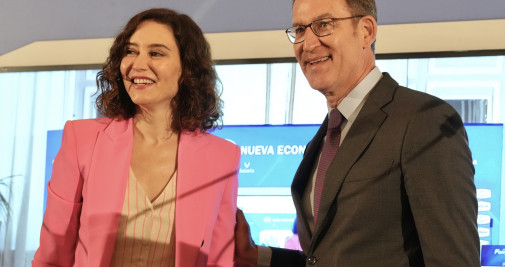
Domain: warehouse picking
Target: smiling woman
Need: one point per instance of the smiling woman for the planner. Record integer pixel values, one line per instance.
(151, 68)
(151, 152)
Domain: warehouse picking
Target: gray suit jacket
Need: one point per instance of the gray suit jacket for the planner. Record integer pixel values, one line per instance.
(399, 192)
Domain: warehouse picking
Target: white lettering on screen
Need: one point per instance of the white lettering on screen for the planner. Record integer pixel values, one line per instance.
(261, 150)
(499, 251)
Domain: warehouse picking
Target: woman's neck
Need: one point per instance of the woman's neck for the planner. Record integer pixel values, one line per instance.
(153, 126)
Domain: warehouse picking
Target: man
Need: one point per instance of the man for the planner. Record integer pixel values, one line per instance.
(399, 191)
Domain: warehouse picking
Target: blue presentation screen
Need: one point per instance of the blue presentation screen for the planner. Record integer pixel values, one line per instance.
(269, 154)
(486, 144)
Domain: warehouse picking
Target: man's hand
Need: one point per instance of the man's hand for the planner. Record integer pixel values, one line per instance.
(246, 251)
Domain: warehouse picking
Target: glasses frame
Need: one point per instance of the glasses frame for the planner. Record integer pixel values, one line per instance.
(293, 28)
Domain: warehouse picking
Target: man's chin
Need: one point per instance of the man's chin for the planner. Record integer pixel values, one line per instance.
(319, 85)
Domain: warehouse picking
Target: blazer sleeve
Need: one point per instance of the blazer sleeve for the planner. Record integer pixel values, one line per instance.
(223, 244)
(58, 235)
(439, 183)
(286, 257)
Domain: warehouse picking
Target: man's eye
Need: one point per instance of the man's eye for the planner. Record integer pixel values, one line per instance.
(324, 24)
(299, 30)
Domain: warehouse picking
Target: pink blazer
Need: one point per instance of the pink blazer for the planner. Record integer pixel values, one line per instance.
(87, 187)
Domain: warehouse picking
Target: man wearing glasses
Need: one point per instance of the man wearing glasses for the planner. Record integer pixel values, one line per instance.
(388, 178)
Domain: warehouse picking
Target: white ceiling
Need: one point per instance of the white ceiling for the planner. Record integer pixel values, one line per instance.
(26, 21)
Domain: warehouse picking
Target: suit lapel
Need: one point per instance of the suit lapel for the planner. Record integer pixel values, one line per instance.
(302, 177)
(359, 136)
(189, 229)
(106, 188)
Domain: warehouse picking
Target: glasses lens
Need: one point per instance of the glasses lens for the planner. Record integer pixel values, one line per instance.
(322, 27)
(292, 34)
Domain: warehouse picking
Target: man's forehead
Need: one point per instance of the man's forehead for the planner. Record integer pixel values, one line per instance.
(308, 19)
(316, 9)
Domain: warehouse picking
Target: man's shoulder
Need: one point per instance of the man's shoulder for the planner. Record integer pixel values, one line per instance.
(387, 83)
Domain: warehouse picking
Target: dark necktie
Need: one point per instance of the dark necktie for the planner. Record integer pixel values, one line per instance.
(328, 152)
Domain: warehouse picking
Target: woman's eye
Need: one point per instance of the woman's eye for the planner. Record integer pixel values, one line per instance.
(129, 51)
(156, 54)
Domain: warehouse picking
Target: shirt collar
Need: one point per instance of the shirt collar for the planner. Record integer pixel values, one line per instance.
(358, 94)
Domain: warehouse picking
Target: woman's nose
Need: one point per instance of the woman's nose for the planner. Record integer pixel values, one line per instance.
(140, 62)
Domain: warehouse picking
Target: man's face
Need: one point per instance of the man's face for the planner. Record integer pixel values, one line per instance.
(332, 64)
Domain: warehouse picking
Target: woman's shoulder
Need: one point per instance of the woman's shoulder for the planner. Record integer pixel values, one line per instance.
(86, 126)
(90, 124)
(96, 122)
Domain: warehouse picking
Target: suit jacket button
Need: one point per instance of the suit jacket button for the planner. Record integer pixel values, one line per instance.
(312, 260)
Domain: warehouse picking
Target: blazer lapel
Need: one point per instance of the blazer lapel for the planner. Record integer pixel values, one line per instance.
(189, 229)
(359, 136)
(109, 170)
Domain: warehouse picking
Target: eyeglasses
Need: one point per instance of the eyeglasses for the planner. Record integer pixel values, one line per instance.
(320, 27)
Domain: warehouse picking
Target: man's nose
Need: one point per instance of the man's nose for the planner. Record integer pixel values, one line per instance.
(311, 40)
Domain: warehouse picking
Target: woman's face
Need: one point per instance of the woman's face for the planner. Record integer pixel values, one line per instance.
(151, 67)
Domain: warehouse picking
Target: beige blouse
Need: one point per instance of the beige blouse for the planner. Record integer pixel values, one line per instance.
(146, 235)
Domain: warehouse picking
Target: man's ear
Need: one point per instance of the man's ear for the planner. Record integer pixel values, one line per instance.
(368, 26)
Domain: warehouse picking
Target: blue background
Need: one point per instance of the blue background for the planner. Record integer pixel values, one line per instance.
(486, 144)
(490, 258)
(275, 170)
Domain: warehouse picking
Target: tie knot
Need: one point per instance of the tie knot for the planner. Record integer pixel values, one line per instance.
(335, 119)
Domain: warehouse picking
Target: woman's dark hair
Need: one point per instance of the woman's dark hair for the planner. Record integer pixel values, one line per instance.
(196, 105)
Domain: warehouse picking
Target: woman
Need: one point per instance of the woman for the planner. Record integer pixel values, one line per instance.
(146, 185)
